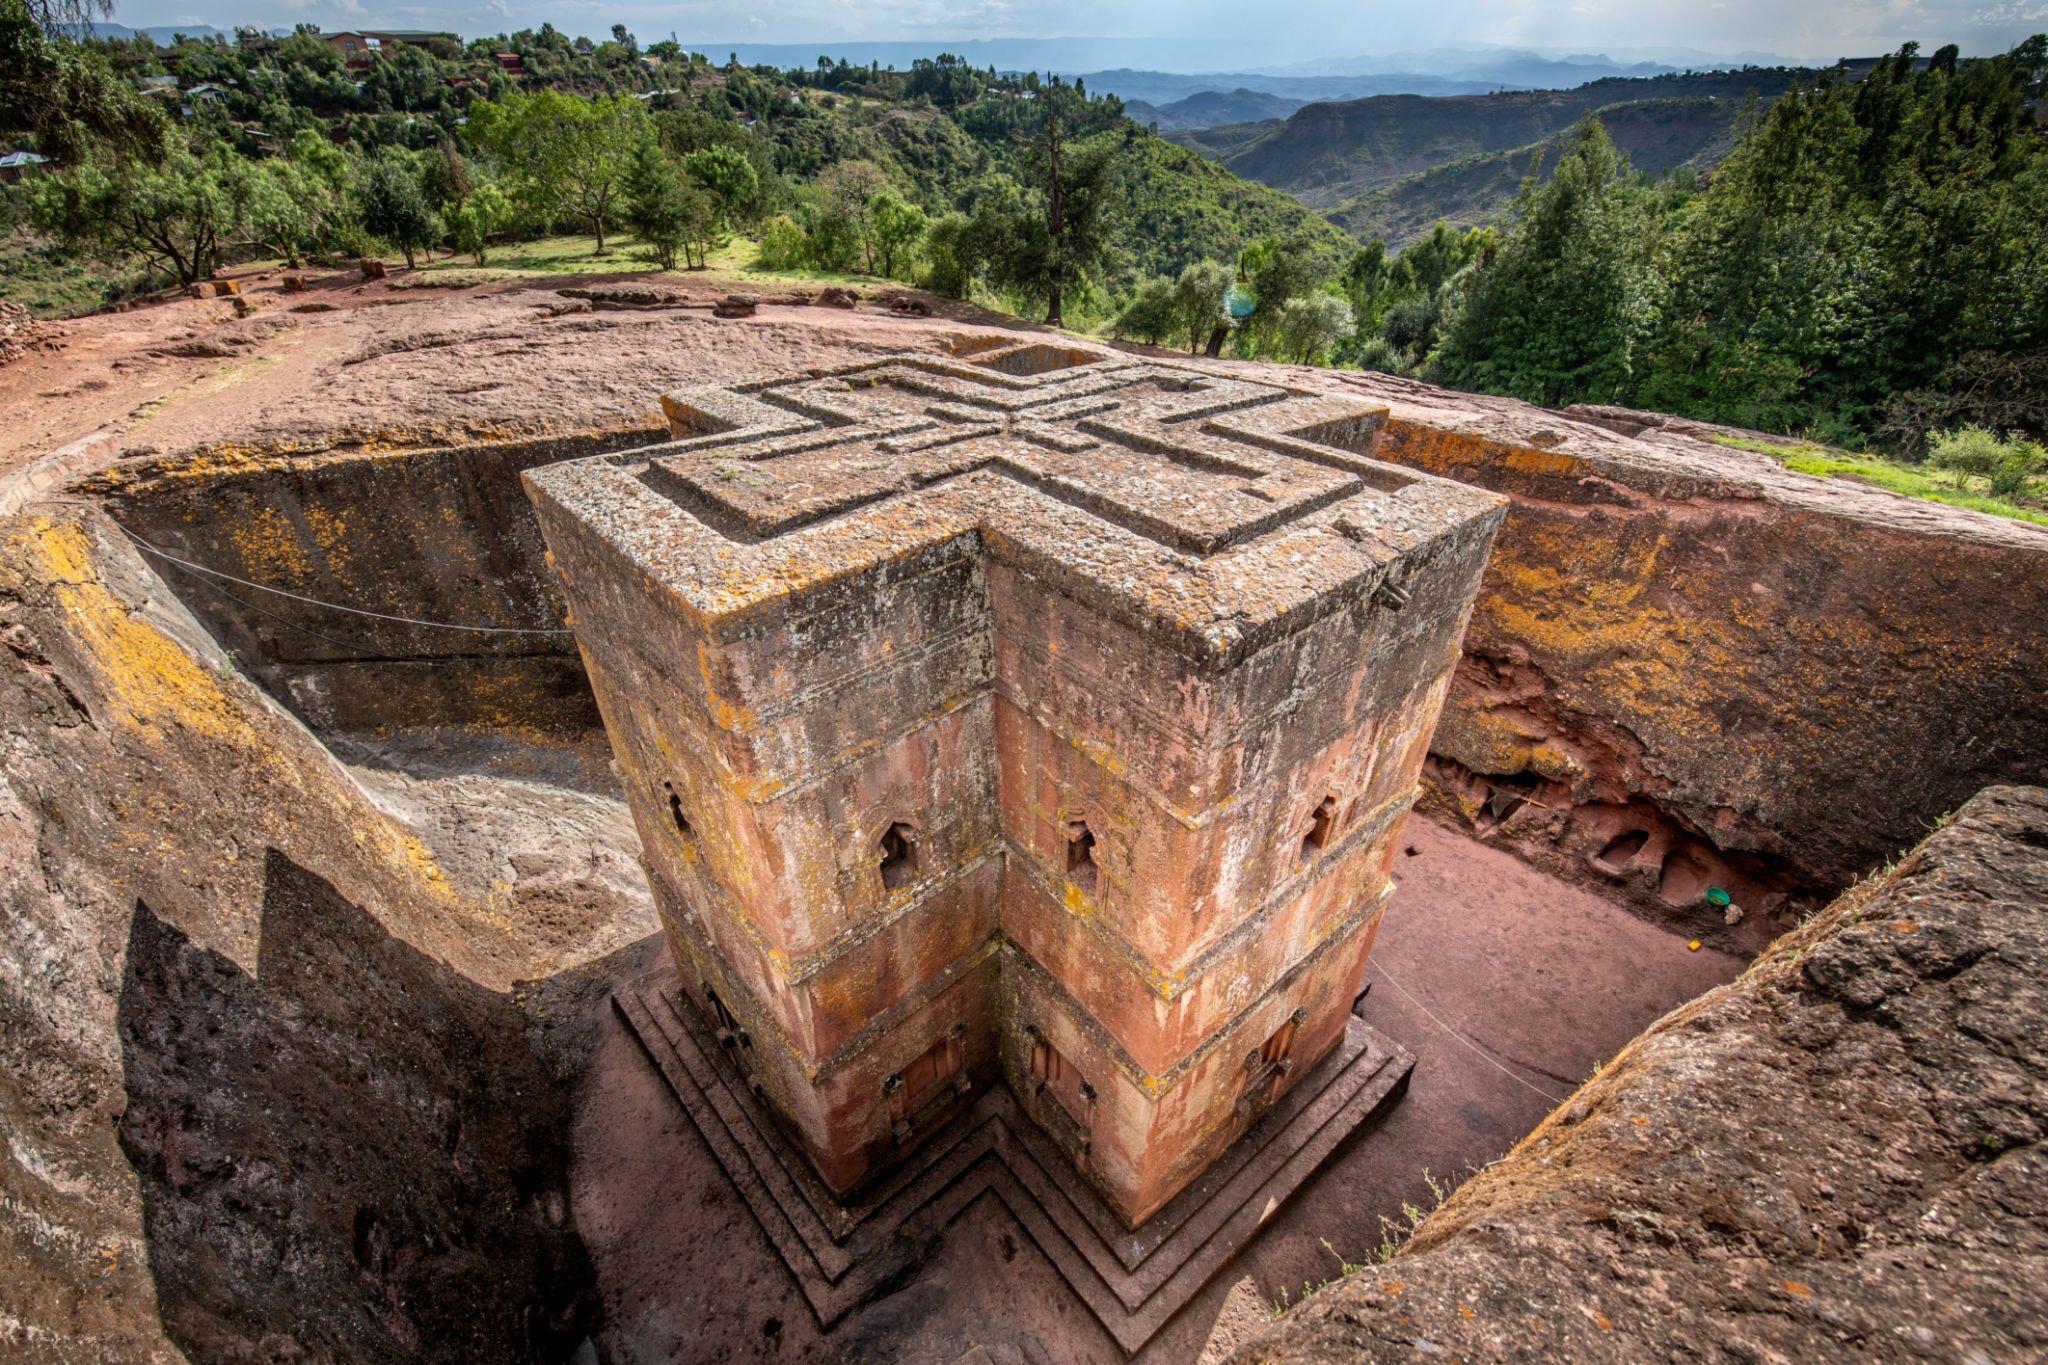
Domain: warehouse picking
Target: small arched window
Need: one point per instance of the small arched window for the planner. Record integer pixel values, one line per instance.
(899, 856)
(1081, 868)
(1322, 828)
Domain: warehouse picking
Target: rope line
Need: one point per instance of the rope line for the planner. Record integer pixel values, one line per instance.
(330, 606)
(1482, 1054)
(292, 625)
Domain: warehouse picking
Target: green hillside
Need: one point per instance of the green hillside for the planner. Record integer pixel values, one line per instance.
(1658, 136)
(1178, 207)
(1328, 153)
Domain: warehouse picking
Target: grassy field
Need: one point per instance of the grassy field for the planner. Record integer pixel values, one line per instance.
(47, 279)
(1915, 481)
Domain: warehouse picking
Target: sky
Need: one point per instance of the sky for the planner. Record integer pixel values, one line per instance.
(1225, 33)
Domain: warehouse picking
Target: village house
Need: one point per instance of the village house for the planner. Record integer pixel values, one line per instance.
(19, 163)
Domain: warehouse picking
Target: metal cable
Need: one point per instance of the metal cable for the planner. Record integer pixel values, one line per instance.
(330, 606)
(1461, 1038)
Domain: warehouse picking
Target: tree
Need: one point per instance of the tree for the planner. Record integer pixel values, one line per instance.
(275, 201)
(321, 179)
(1279, 271)
(667, 209)
(845, 192)
(1150, 316)
(565, 155)
(486, 212)
(949, 264)
(445, 175)
(1557, 313)
(1066, 240)
(1310, 325)
(177, 212)
(66, 93)
(1862, 240)
(1368, 281)
(729, 177)
(783, 245)
(395, 203)
(1198, 302)
(2009, 466)
(897, 227)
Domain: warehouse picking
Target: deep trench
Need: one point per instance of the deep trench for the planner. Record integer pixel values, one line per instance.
(490, 744)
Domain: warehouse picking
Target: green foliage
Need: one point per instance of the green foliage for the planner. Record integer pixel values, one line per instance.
(845, 193)
(1557, 312)
(566, 157)
(1378, 353)
(2010, 467)
(1198, 302)
(1174, 207)
(1894, 476)
(485, 213)
(177, 212)
(1859, 240)
(729, 177)
(1149, 316)
(278, 201)
(69, 95)
(1053, 237)
(668, 210)
(395, 205)
(1279, 272)
(783, 244)
(949, 258)
(896, 228)
(1310, 325)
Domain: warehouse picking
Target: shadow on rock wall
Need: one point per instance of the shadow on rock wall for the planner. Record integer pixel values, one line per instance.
(353, 1154)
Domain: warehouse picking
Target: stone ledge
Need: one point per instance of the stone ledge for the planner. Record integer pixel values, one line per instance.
(1842, 1154)
(1133, 1281)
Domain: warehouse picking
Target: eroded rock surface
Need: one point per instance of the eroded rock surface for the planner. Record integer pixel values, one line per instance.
(268, 1087)
(1840, 1153)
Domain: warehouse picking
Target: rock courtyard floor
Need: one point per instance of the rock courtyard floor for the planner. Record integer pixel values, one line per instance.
(1545, 980)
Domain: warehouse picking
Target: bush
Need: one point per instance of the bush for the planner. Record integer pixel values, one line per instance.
(1307, 327)
(1198, 302)
(949, 267)
(2010, 466)
(1150, 316)
(1378, 353)
(783, 246)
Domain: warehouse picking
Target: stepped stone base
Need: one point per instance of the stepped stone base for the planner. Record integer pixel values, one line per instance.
(1134, 1281)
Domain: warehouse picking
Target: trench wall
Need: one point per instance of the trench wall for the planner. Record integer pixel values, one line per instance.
(440, 535)
(269, 1093)
(1836, 1155)
(1686, 672)
(1674, 679)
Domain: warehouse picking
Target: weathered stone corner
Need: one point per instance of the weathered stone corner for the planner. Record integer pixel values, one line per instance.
(1047, 716)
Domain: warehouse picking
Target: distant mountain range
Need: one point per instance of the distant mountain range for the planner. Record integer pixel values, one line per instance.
(1392, 165)
(1226, 64)
(1439, 73)
(161, 34)
(1211, 107)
